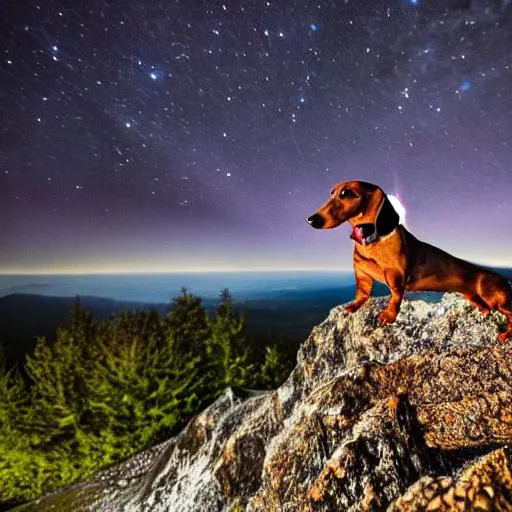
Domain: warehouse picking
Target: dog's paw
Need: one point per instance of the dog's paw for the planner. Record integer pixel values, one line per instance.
(386, 317)
(504, 336)
(352, 308)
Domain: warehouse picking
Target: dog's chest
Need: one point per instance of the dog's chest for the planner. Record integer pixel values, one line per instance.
(380, 256)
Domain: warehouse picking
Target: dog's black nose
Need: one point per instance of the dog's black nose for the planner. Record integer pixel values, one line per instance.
(317, 221)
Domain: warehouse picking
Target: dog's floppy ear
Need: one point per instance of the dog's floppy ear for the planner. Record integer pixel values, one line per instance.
(378, 209)
(373, 197)
(387, 218)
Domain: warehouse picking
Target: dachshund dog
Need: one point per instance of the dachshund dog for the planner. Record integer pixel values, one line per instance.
(385, 251)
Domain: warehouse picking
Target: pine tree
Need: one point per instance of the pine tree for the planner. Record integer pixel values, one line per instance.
(187, 325)
(13, 394)
(58, 374)
(275, 368)
(53, 424)
(227, 349)
(139, 388)
(18, 462)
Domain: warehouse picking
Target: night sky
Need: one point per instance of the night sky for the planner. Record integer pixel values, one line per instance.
(199, 135)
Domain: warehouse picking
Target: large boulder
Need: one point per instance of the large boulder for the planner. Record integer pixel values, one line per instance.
(410, 416)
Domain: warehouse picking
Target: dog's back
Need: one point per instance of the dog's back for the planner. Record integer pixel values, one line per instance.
(432, 269)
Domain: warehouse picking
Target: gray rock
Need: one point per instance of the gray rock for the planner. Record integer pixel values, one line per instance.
(411, 416)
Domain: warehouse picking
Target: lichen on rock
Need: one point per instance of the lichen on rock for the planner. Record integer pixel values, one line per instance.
(410, 416)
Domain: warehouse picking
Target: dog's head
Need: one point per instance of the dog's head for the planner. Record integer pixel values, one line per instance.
(357, 202)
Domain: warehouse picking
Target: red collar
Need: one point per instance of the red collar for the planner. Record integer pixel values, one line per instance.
(364, 234)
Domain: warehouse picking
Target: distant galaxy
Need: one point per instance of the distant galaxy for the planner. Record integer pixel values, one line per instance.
(151, 136)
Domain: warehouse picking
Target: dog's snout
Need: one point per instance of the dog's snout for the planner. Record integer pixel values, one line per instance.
(317, 221)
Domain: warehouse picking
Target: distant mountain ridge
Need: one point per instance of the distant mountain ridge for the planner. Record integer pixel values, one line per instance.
(24, 317)
(161, 288)
(288, 315)
(275, 311)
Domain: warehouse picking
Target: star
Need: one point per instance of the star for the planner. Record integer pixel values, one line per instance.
(156, 74)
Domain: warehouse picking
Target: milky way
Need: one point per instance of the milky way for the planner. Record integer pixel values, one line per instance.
(178, 135)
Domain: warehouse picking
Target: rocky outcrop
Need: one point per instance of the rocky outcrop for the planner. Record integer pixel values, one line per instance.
(411, 416)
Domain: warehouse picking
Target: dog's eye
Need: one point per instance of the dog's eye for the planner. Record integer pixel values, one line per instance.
(347, 194)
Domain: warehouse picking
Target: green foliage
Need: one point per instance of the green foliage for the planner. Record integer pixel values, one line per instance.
(187, 324)
(275, 368)
(226, 348)
(15, 455)
(103, 391)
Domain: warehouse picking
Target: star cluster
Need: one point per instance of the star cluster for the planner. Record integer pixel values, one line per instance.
(200, 135)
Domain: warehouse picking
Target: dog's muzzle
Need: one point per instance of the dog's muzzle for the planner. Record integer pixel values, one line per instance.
(317, 221)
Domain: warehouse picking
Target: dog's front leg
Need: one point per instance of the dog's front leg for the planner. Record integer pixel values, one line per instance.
(364, 285)
(396, 283)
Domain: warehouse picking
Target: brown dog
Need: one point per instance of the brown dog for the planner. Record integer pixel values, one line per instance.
(385, 251)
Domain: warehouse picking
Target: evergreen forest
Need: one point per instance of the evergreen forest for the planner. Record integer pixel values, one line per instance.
(103, 391)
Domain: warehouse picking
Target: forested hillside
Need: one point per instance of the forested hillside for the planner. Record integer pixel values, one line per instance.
(106, 389)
